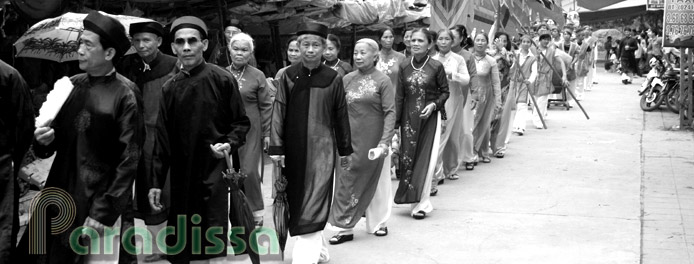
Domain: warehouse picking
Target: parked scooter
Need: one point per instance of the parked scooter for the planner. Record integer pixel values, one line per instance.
(672, 82)
(653, 90)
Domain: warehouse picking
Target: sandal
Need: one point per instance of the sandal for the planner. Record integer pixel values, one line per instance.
(340, 238)
(486, 160)
(434, 192)
(382, 231)
(453, 177)
(499, 155)
(419, 215)
(469, 166)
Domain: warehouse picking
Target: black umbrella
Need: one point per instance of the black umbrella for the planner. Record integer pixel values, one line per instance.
(240, 213)
(281, 208)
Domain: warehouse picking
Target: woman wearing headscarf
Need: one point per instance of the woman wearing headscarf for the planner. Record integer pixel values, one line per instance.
(331, 56)
(450, 156)
(365, 186)
(460, 38)
(487, 97)
(419, 100)
(258, 105)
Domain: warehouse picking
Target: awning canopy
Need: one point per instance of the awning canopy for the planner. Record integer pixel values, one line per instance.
(612, 14)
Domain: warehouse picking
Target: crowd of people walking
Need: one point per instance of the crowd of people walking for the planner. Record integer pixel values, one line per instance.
(338, 131)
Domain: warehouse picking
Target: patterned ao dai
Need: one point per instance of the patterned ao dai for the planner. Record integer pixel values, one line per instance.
(418, 88)
(371, 107)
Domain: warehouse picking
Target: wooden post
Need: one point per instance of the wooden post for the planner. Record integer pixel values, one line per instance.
(222, 17)
(354, 42)
(685, 100)
(278, 46)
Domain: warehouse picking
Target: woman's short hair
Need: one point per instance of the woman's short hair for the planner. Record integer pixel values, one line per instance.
(242, 37)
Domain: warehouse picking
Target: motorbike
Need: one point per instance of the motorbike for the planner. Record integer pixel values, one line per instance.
(673, 94)
(654, 89)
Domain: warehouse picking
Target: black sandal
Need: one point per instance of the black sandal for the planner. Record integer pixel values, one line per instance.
(382, 231)
(469, 166)
(419, 215)
(340, 238)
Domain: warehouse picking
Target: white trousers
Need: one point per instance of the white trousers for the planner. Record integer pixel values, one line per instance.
(381, 205)
(310, 248)
(542, 104)
(521, 118)
(110, 256)
(424, 202)
(468, 126)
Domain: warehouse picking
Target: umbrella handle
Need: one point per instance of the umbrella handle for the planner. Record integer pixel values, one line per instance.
(230, 163)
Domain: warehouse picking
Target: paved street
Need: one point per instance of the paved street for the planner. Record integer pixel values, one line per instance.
(618, 188)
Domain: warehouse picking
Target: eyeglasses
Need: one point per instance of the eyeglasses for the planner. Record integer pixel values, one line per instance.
(182, 41)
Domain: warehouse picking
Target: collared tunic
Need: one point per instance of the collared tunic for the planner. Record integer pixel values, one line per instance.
(258, 104)
(99, 132)
(418, 88)
(199, 108)
(309, 121)
(489, 96)
(342, 67)
(16, 132)
(149, 78)
(371, 104)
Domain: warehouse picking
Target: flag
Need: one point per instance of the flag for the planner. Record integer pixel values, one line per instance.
(448, 13)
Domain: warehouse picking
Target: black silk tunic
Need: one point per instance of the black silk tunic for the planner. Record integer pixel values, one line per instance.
(16, 132)
(99, 132)
(198, 108)
(149, 80)
(309, 122)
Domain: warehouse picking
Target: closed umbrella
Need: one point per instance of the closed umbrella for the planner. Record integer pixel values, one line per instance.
(281, 208)
(240, 213)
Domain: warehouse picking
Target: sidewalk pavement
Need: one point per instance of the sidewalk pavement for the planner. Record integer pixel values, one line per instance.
(618, 188)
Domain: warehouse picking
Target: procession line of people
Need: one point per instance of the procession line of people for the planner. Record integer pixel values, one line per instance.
(159, 126)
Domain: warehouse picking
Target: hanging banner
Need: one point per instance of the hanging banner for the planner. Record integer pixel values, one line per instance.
(655, 5)
(678, 24)
(448, 13)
